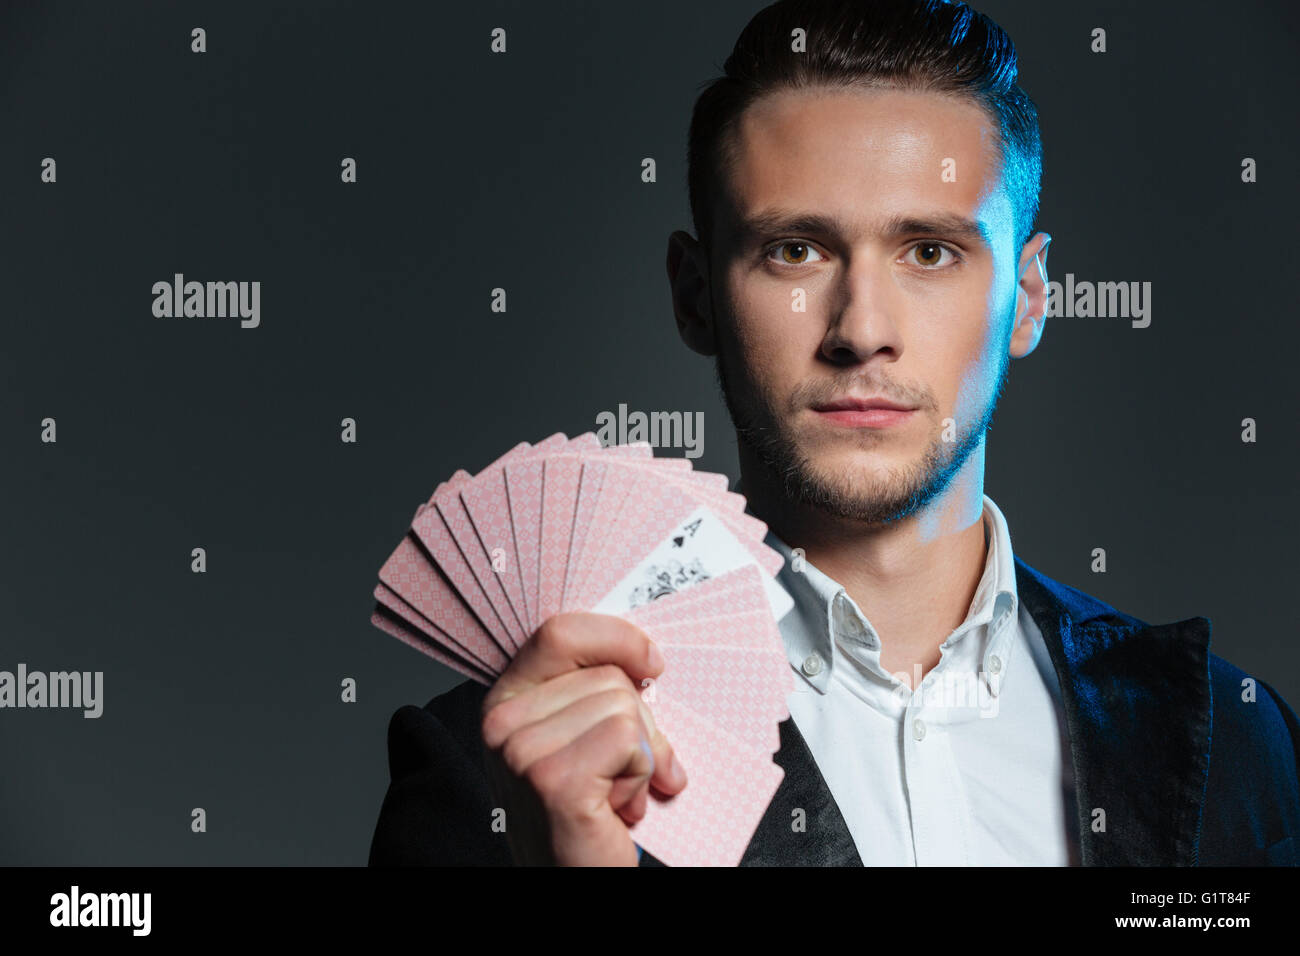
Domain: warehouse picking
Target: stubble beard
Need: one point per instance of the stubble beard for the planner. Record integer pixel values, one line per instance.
(869, 500)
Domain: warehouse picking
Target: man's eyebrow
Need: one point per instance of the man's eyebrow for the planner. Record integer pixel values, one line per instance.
(777, 221)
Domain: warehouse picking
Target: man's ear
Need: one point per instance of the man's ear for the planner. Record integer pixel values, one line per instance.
(1031, 296)
(688, 279)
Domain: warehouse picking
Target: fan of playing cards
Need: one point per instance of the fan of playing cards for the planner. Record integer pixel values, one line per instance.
(570, 525)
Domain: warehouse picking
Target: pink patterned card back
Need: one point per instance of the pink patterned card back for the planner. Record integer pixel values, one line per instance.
(729, 786)
(430, 527)
(381, 619)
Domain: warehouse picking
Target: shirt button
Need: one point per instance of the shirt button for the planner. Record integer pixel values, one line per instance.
(995, 664)
(918, 729)
(812, 664)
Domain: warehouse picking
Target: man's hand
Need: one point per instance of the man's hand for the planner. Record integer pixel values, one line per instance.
(572, 748)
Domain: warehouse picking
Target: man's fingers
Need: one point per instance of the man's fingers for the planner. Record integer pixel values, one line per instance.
(542, 738)
(565, 642)
(585, 768)
(542, 719)
(575, 784)
(539, 702)
(632, 809)
(669, 774)
(628, 795)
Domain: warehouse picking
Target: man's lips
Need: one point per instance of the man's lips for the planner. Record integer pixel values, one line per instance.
(864, 412)
(861, 405)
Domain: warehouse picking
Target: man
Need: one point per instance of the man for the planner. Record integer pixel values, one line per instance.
(864, 183)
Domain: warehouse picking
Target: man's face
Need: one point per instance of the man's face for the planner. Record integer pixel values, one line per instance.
(857, 199)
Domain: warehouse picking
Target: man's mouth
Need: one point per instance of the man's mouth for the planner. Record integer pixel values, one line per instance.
(868, 412)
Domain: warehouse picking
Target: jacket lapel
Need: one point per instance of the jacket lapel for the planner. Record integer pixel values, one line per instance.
(803, 825)
(1137, 710)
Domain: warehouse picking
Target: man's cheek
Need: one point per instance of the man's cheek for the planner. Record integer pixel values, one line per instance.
(766, 372)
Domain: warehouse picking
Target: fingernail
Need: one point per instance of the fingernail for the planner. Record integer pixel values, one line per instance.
(656, 657)
(676, 771)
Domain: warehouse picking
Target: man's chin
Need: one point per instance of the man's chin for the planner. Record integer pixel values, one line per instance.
(850, 460)
(853, 496)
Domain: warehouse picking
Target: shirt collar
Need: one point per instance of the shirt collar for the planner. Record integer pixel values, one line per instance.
(824, 610)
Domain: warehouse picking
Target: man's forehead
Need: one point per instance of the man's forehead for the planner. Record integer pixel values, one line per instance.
(876, 124)
(848, 162)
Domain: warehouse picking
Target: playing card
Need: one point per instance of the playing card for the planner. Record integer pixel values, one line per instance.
(735, 592)
(593, 471)
(728, 687)
(682, 605)
(384, 620)
(692, 548)
(427, 630)
(728, 789)
(433, 532)
(560, 479)
(489, 545)
(409, 573)
(569, 525)
(591, 486)
(646, 493)
(728, 665)
(488, 506)
(477, 557)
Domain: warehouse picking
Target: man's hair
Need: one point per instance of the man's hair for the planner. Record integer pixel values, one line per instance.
(916, 45)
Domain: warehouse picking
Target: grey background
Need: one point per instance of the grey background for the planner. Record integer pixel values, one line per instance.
(522, 171)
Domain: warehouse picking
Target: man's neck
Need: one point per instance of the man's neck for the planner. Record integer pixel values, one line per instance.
(914, 578)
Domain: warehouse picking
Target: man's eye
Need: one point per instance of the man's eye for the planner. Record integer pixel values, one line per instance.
(794, 253)
(929, 255)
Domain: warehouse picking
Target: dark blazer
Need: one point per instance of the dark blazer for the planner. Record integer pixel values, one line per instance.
(1187, 772)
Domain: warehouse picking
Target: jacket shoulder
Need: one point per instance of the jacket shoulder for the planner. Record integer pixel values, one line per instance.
(460, 711)
(1250, 714)
(438, 809)
(1251, 814)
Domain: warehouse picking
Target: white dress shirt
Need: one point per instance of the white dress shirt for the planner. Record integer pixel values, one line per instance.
(971, 768)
